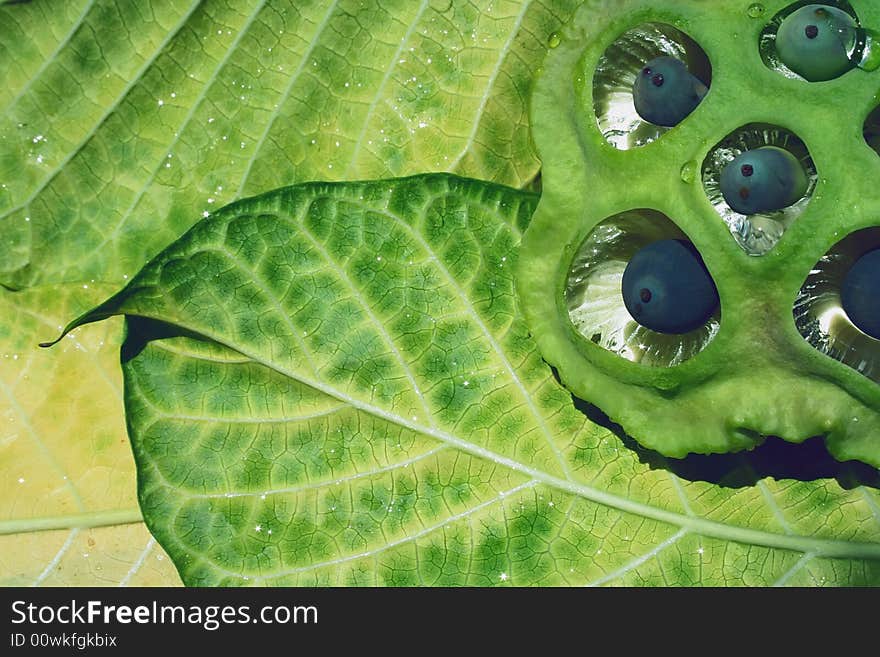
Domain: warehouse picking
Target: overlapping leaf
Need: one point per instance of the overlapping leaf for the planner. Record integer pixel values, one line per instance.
(332, 384)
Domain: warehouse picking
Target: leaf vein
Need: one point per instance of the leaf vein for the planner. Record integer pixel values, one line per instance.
(638, 561)
(139, 562)
(319, 30)
(57, 558)
(484, 100)
(388, 71)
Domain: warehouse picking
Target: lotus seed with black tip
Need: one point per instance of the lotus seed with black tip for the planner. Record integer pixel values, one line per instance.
(763, 180)
(860, 294)
(816, 41)
(665, 92)
(667, 288)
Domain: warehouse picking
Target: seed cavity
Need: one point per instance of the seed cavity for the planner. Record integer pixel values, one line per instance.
(819, 309)
(596, 305)
(759, 231)
(628, 61)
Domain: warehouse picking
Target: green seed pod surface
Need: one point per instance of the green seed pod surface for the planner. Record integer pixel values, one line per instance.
(757, 376)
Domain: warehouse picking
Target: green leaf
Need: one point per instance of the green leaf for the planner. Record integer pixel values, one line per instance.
(121, 123)
(332, 384)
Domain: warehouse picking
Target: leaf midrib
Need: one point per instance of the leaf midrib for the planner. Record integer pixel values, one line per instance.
(84, 520)
(484, 329)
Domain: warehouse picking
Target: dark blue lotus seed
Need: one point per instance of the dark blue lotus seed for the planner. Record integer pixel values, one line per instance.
(763, 180)
(860, 294)
(667, 288)
(665, 92)
(816, 41)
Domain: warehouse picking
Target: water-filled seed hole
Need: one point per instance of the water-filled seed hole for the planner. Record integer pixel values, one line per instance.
(594, 292)
(641, 64)
(735, 173)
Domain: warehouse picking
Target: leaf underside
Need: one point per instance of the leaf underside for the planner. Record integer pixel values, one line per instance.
(123, 122)
(331, 384)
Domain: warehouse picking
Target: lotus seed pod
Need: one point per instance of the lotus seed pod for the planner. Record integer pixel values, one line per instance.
(756, 367)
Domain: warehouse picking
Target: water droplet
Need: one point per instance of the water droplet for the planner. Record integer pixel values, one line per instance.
(755, 10)
(554, 40)
(688, 171)
(870, 40)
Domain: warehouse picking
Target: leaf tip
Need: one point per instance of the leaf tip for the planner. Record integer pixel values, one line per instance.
(51, 343)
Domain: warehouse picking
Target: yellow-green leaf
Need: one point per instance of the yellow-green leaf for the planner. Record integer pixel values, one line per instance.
(69, 513)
